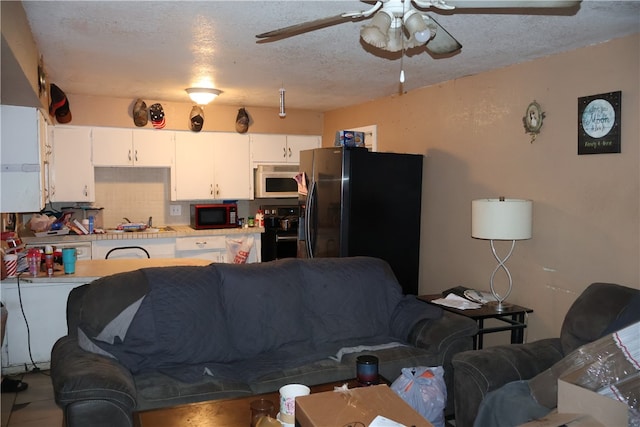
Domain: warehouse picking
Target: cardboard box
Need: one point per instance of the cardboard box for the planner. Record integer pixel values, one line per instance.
(349, 138)
(554, 419)
(575, 399)
(362, 404)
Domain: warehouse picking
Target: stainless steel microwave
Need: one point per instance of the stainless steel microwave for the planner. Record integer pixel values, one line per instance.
(276, 181)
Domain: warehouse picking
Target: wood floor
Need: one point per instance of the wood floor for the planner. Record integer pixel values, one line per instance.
(33, 407)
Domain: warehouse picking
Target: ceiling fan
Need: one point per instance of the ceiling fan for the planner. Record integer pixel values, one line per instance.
(398, 25)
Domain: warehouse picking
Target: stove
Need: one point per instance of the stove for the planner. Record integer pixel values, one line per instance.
(280, 238)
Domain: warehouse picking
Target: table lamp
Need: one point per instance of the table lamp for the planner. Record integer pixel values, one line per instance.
(501, 219)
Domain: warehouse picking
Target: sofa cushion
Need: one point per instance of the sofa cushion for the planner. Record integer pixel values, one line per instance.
(349, 297)
(263, 305)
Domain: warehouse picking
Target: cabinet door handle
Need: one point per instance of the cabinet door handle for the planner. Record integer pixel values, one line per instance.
(211, 189)
(217, 190)
(284, 152)
(129, 155)
(201, 243)
(86, 191)
(289, 151)
(136, 156)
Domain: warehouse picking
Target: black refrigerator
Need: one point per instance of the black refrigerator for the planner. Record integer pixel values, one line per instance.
(354, 202)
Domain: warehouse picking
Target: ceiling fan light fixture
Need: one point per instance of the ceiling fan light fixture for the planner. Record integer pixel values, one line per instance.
(202, 95)
(417, 28)
(377, 34)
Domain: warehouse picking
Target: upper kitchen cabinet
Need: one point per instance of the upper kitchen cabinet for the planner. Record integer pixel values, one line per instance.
(71, 172)
(280, 149)
(22, 153)
(231, 166)
(212, 165)
(133, 147)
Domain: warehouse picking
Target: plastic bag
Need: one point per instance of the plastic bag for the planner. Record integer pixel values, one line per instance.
(40, 222)
(239, 248)
(424, 390)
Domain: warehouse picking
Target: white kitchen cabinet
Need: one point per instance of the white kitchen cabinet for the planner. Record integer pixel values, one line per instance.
(128, 248)
(214, 247)
(22, 153)
(233, 176)
(194, 166)
(153, 148)
(276, 148)
(132, 147)
(71, 174)
(211, 248)
(112, 147)
(298, 143)
(44, 307)
(212, 165)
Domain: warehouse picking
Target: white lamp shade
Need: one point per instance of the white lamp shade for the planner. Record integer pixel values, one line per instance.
(501, 219)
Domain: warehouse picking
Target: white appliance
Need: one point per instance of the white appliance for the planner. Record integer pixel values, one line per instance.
(22, 145)
(274, 181)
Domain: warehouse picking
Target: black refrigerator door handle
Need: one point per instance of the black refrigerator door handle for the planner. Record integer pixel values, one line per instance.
(307, 219)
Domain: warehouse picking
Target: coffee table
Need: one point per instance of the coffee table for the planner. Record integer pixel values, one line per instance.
(233, 412)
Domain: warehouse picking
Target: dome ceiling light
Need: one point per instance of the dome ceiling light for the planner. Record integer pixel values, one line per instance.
(202, 95)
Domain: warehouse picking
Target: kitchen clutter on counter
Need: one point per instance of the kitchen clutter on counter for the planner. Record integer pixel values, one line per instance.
(43, 225)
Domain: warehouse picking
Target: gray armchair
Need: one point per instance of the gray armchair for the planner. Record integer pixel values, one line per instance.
(479, 372)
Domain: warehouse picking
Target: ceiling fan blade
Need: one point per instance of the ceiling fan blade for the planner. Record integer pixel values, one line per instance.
(304, 27)
(443, 42)
(508, 4)
(294, 30)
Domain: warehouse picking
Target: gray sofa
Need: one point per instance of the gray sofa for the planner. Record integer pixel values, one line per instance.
(159, 337)
(602, 308)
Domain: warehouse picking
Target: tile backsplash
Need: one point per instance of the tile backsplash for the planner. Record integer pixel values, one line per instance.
(136, 193)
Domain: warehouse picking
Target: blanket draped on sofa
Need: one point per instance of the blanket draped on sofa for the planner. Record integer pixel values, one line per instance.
(242, 322)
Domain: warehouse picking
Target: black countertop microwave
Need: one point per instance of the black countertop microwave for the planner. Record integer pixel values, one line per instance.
(208, 216)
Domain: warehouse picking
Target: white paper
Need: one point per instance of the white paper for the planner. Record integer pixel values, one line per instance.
(455, 301)
(381, 421)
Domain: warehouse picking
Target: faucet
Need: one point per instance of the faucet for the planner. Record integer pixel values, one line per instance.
(126, 219)
(150, 222)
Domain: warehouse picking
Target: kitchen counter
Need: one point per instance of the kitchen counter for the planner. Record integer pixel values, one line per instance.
(174, 231)
(89, 270)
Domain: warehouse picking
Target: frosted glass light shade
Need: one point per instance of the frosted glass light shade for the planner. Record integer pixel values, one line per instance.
(202, 95)
(414, 22)
(377, 33)
(501, 219)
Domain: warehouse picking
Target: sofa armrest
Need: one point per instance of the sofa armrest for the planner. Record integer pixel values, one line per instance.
(90, 387)
(445, 336)
(479, 372)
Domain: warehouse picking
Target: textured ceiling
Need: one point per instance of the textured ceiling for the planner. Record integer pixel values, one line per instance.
(155, 49)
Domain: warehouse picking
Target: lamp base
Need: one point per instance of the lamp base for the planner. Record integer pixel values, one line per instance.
(499, 306)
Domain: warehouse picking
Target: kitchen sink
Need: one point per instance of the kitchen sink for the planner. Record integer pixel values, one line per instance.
(162, 229)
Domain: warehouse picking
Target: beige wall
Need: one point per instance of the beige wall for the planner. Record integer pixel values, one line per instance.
(19, 58)
(586, 208)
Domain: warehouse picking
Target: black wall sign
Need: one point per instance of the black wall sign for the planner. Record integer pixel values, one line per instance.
(599, 123)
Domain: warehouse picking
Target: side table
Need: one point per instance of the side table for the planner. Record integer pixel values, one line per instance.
(514, 316)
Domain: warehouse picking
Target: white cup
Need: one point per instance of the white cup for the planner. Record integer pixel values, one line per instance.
(288, 394)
